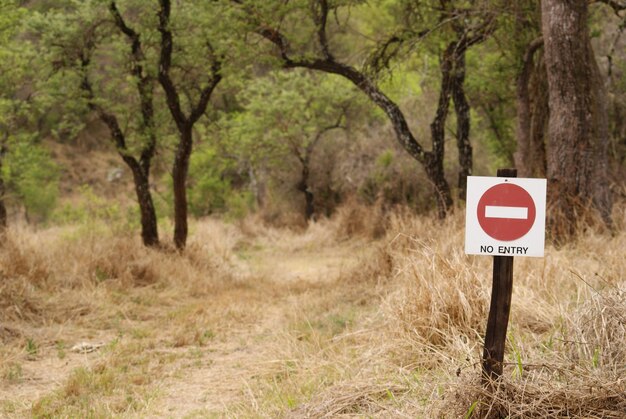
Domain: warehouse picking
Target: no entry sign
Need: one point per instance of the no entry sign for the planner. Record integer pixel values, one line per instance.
(505, 216)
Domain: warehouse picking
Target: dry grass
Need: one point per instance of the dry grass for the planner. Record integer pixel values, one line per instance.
(255, 321)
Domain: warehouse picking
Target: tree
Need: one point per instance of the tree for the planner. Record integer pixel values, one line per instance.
(144, 81)
(117, 59)
(184, 120)
(285, 118)
(26, 170)
(8, 19)
(269, 21)
(578, 125)
(81, 39)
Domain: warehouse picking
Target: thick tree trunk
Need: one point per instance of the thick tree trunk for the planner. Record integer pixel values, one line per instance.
(462, 110)
(179, 177)
(578, 126)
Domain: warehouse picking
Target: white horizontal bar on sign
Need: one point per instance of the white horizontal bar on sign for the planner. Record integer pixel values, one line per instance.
(518, 213)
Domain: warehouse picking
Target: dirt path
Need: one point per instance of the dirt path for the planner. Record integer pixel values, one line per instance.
(222, 378)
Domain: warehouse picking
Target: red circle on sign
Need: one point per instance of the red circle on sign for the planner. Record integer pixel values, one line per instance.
(506, 212)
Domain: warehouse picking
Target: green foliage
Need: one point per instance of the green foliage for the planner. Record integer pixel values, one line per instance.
(385, 159)
(284, 111)
(210, 189)
(31, 176)
(27, 169)
(489, 83)
(284, 121)
(471, 409)
(264, 122)
(31, 347)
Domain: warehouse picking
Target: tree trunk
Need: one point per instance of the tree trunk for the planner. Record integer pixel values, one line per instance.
(452, 69)
(523, 155)
(257, 186)
(149, 229)
(462, 110)
(434, 161)
(183, 122)
(303, 186)
(434, 171)
(540, 116)
(141, 177)
(179, 177)
(3, 208)
(578, 124)
(532, 116)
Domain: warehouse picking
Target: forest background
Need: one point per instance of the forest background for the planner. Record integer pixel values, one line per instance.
(388, 104)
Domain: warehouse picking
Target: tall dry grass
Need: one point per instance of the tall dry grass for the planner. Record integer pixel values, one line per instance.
(63, 274)
(566, 337)
(395, 333)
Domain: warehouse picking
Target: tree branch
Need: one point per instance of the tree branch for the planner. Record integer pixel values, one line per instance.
(165, 63)
(205, 94)
(144, 85)
(321, 17)
(330, 65)
(309, 148)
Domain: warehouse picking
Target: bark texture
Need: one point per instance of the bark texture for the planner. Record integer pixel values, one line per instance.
(578, 124)
(434, 162)
(462, 111)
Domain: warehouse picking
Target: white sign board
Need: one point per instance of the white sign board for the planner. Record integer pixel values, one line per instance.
(505, 216)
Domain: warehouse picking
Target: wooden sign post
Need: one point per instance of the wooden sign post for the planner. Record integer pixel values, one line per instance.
(499, 309)
(505, 217)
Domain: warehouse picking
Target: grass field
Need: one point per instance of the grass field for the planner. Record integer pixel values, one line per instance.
(364, 315)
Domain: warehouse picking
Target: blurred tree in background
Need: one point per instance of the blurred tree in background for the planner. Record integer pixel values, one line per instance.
(27, 174)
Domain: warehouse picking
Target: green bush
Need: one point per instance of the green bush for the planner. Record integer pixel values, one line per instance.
(31, 177)
(212, 185)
